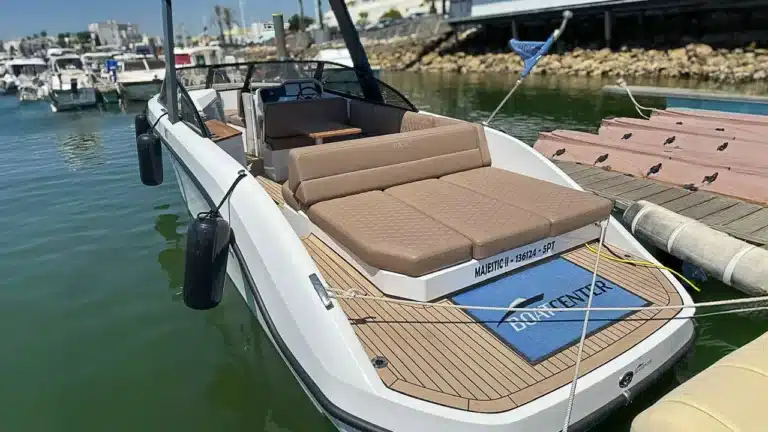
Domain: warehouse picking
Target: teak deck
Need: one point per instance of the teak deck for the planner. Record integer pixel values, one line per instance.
(444, 356)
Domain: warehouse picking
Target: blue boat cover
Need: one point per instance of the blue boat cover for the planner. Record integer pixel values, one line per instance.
(559, 283)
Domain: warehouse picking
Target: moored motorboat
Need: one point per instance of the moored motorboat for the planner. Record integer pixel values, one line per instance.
(416, 272)
(69, 85)
(139, 78)
(26, 72)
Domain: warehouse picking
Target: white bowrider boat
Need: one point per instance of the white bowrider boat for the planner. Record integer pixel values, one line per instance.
(416, 272)
(139, 78)
(70, 86)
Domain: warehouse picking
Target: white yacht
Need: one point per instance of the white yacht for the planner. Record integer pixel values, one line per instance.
(342, 57)
(23, 73)
(95, 64)
(70, 86)
(139, 78)
(415, 272)
(199, 56)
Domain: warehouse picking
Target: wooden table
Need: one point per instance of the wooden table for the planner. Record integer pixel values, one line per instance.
(221, 131)
(322, 130)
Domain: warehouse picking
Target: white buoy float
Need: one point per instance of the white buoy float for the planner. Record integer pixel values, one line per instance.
(738, 264)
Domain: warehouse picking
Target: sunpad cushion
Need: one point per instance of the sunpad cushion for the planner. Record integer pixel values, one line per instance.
(567, 209)
(388, 234)
(492, 225)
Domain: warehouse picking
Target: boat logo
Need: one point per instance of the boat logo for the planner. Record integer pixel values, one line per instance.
(642, 365)
(626, 379)
(520, 303)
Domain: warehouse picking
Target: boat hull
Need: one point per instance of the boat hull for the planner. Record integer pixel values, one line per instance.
(63, 100)
(139, 91)
(599, 392)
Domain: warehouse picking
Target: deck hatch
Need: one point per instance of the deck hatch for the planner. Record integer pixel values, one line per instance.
(558, 283)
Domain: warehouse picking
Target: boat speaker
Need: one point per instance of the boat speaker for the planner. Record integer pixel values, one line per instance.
(141, 123)
(150, 159)
(205, 263)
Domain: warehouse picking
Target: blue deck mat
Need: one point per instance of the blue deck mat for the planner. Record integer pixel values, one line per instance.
(555, 284)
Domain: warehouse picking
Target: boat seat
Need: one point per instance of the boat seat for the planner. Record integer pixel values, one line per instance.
(376, 119)
(283, 120)
(419, 201)
(491, 225)
(566, 209)
(388, 234)
(320, 173)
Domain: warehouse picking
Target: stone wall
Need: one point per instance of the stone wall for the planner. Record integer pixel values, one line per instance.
(456, 53)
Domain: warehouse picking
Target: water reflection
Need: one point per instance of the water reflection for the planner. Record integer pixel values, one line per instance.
(81, 146)
(171, 259)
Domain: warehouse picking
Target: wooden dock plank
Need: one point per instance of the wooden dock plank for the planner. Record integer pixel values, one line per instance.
(627, 187)
(570, 167)
(687, 201)
(730, 214)
(605, 184)
(586, 173)
(710, 207)
(749, 224)
(605, 175)
(761, 234)
(668, 195)
(651, 189)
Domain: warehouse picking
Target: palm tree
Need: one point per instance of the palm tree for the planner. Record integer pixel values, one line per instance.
(301, 15)
(218, 11)
(228, 22)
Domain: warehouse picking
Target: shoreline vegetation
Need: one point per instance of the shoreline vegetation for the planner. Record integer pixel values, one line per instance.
(458, 53)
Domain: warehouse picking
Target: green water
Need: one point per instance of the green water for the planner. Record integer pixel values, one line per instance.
(96, 336)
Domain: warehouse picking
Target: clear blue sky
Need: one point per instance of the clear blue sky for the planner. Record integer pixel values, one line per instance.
(25, 17)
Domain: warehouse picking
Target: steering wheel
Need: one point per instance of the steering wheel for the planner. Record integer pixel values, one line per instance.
(307, 93)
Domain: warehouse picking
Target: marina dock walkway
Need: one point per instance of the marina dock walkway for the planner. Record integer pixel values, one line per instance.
(743, 220)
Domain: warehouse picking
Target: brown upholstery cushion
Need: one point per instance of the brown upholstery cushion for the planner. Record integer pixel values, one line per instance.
(289, 142)
(330, 171)
(389, 234)
(490, 224)
(376, 119)
(289, 198)
(284, 119)
(567, 209)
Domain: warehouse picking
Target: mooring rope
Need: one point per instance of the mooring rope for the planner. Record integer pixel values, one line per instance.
(353, 294)
(621, 83)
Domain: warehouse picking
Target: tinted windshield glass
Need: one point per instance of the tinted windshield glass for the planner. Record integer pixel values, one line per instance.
(134, 65)
(156, 64)
(277, 72)
(335, 78)
(348, 82)
(28, 69)
(68, 64)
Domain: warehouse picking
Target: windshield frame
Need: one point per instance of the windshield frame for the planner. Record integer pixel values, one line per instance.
(317, 74)
(62, 63)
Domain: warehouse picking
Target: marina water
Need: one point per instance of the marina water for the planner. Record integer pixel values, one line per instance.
(96, 335)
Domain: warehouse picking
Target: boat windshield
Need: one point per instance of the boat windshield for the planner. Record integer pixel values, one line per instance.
(134, 65)
(28, 69)
(155, 63)
(335, 78)
(68, 64)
